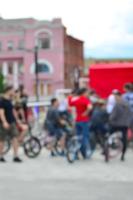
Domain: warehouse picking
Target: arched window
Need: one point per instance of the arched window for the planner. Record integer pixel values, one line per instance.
(43, 68)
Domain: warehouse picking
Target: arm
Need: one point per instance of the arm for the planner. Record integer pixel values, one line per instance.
(89, 109)
(22, 115)
(15, 113)
(71, 100)
(3, 119)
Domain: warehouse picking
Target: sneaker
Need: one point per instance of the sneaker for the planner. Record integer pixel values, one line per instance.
(62, 154)
(53, 154)
(17, 160)
(122, 158)
(2, 160)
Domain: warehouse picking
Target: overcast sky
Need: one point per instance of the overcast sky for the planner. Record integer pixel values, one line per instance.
(106, 26)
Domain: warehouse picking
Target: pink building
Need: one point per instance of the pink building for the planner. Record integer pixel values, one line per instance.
(18, 38)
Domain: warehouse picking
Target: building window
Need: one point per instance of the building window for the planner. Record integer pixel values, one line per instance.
(34, 89)
(42, 88)
(0, 46)
(49, 89)
(10, 68)
(21, 45)
(44, 40)
(43, 68)
(10, 45)
(44, 43)
(20, 68)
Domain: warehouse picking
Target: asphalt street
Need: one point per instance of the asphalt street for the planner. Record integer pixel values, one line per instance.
(45, 178)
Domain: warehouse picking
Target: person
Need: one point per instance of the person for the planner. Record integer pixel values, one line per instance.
(83, 106)
(120, 120)
(55, 125)
(111, 101)
(99, 122)
(65, 110)
(24, 100)
(22, 125)
(8, 126)
(99, 118)
(128, 97)
(93, 96)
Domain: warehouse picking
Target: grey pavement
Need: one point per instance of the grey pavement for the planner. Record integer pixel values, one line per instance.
(45, 178)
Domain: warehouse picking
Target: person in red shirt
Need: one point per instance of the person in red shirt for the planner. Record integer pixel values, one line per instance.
(83, 107)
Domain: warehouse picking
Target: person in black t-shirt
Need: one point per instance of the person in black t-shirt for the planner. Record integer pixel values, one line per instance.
(8, 119)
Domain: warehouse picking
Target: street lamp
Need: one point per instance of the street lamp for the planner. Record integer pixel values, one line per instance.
(36, 72)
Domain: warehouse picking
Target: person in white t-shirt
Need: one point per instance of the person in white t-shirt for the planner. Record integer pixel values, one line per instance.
(111, 101)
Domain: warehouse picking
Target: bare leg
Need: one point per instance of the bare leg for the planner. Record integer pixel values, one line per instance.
(62, 142)
(15, 145)
(23, 133)
(1, 148)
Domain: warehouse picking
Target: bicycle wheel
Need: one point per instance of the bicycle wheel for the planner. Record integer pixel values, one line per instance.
(73, 146)
(7, 147)
(71, 156)
(113, 147)
(32, 147)
(58, 148)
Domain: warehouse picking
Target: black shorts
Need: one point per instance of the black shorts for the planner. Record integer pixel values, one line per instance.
(8, 133)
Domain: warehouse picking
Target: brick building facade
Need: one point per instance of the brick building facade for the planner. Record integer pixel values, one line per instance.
(58, 54)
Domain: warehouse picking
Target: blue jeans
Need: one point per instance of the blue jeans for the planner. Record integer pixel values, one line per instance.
(82, 129)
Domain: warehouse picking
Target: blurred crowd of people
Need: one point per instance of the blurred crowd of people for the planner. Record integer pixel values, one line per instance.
(93, 114)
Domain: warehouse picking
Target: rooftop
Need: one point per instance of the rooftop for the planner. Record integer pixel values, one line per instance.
(26, 23)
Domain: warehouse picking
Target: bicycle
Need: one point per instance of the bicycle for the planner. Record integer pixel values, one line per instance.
(111, 144)
(73, 145)
(31, 145)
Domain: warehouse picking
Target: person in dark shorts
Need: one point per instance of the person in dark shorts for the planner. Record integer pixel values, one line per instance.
(8, 126)
(54, 123)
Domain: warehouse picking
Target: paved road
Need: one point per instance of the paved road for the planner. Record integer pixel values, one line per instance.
(54, 179)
